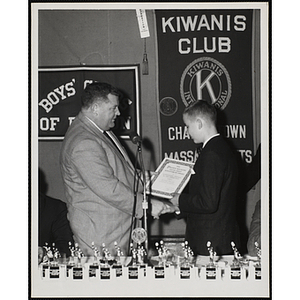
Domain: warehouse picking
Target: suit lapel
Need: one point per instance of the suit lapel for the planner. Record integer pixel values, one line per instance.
(121, 148)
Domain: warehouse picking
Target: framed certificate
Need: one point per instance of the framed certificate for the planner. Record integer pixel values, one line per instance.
(170, 177)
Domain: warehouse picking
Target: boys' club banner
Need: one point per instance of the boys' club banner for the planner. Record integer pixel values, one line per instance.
(60, 97)
(205, 55)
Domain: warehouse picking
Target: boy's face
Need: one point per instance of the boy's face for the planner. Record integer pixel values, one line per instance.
(194, 126)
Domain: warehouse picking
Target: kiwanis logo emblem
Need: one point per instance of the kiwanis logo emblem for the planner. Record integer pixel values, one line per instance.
(206, 79)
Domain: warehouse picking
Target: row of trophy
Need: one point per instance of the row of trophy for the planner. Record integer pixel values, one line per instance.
(104, 262)
(236, 266)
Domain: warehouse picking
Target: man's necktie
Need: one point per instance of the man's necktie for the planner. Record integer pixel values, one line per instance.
(113, 142)
(117, 144)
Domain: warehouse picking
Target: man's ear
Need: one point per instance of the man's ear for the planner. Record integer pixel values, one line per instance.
(199, 123)
(95, 108)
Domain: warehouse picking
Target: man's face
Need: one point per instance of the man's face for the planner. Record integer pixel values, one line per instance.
(194, 127)
(107, 112)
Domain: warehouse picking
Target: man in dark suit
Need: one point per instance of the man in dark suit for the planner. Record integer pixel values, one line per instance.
(210, 204)
(54, 226)
(53, 223)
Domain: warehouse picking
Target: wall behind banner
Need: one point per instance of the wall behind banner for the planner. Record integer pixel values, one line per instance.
(103, 37)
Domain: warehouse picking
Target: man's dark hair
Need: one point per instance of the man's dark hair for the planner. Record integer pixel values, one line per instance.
(202, 108)
(97, 91)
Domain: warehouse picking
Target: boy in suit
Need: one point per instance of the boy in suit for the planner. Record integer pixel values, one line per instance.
(210, 204)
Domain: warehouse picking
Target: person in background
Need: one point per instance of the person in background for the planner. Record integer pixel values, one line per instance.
(98, 175)
(253, 170)
(253, 175)
(210, 204)
(255, 231)
(53, 224)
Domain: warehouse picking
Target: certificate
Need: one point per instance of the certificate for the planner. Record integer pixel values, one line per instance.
(170, 177)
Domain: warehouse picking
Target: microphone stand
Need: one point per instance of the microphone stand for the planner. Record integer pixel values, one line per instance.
(139, 157)
(145, 200)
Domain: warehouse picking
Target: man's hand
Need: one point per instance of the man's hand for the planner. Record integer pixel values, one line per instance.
(149, 175)
(175, 202)
(159, 207)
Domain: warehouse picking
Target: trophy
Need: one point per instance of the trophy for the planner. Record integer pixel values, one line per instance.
(133, 272)
(117, 265)
(163, 253)
(188, 254)
(71, 262)
(235, 267)
(257, 266)
(53, 255)
(236, 253)
(78, 268)
(258, 250)
(96, 252)
(212, 253)
(106, 260)
(119, 253)
(46, 258)
(56, 254)
(211, 267)
(94, 266)
(139, 236)
(139, 255)
(49, 254)
(72, 256)
(185, 268)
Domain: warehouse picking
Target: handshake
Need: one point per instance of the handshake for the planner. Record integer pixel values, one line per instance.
(160, 207)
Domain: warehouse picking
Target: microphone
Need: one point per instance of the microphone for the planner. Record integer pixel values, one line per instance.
(135, 138)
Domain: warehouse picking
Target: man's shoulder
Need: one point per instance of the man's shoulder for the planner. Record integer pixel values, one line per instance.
(77, 133)
(50, 203)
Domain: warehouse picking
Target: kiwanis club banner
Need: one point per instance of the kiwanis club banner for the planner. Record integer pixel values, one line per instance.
(60, 97)
(205, 55)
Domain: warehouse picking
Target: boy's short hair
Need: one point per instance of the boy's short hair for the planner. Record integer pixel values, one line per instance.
(97, 91)
(203, 109)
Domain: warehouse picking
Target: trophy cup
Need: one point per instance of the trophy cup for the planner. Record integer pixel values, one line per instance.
(139, 254)
(236, 266)
(141, 257)
(257, 266)
(78, 268)
(133, 272)
(54, 267)
(105, 267)
(163, 253)
(211, 267)
(71, 262)
(117, 262)
(185, 268)
(46, 259)
(95, 265)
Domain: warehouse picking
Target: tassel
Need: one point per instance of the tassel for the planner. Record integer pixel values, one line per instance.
(145, 69)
